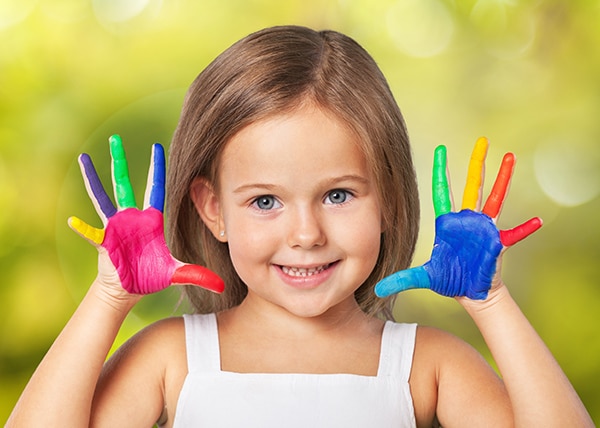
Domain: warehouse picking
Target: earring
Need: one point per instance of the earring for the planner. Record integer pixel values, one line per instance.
(222, 234)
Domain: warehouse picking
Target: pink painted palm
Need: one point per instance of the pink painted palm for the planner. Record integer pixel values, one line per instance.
(133, 238)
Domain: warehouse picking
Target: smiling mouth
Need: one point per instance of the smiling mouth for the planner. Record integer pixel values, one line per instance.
(304, 272)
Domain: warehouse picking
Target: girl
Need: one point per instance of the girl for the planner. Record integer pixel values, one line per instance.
(290, 176)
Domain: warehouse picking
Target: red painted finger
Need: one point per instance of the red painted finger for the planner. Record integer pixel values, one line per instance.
(512, 236)
(198, 275)
(493, 205)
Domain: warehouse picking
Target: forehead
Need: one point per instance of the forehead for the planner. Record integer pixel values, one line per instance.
(307, 139)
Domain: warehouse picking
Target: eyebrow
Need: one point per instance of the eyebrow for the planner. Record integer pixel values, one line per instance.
(332, 182)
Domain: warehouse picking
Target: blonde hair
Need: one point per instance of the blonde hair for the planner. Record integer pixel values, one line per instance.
(271, 72)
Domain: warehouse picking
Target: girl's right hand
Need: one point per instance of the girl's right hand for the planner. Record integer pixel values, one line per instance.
(133, 255)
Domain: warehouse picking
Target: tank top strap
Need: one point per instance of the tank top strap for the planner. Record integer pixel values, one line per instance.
(202, 343)
(397, 349)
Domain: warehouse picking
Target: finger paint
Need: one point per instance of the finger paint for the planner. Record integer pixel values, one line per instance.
(403, 280)
(442, 203)
(512, 236)
(157, 187)
(467, 243)
(465, 251)
(471, 195)
(123, 190)
(95, 188)
(90, 233)
(494, 202)
(134, 237)
(194, 274)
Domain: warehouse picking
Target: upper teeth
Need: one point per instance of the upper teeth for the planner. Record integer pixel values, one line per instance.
(296, 271)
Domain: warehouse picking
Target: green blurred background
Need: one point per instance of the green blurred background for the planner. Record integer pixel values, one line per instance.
(524, 73)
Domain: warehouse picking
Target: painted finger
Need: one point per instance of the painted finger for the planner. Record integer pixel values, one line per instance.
(155, 188)
(122, 185)
(472, 193)
(512, 236)
(403, 280)
(94, 235)
(494, 202)
(442, 200)
(102, 203)
(199, 276)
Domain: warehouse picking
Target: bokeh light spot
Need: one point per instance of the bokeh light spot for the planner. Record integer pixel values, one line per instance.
(506, 27)
(567, 171)
(66, 11)
(420, 28)
(115, 11)
(13, 12)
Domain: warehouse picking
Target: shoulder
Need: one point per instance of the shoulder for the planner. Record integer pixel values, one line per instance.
(171, 330)
(151, 364)
(160, 339)
(152, 345)
(448, 376)
(430, 341)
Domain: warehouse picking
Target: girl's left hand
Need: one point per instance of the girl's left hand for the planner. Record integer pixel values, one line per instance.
(468, 245)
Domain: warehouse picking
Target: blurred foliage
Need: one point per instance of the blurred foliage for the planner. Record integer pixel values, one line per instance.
(523, 73)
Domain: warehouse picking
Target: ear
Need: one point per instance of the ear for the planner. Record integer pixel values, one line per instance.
(208, 207)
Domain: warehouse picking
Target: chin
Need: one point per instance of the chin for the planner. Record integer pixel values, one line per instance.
(312, 310)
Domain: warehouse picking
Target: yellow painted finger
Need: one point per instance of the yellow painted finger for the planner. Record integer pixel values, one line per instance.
(472, 194)
(92, 234)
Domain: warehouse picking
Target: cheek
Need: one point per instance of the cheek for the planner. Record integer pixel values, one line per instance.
(248, 244)
(362, 235)
(370, 242)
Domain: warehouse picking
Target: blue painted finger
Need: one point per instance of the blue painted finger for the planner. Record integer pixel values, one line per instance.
(155, 189)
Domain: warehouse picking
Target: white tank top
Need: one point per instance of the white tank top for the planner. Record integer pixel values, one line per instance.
(212, 398)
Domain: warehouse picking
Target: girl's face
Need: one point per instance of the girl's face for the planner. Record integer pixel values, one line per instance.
(300, 211)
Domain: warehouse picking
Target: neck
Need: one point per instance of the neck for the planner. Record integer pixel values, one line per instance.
(279, 322)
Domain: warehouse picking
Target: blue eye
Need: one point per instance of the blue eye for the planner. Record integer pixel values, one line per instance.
(338, 196)
(266, 202)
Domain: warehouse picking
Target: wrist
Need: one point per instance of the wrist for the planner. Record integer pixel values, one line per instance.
(496, 297)
(115, 298)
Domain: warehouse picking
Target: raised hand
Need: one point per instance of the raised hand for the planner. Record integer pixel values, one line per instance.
(134, 239)
(467, 243)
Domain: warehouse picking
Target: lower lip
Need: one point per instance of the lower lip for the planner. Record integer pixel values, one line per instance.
(306, 282)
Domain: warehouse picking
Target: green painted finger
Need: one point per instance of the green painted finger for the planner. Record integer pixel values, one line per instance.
(442, 202)
(123, 190)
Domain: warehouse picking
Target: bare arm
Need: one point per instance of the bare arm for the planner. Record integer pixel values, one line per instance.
(446, 383)
(133, 260)
(143, 378)
(61, 390)
(540, 393)
(452, 381)
(466, 264)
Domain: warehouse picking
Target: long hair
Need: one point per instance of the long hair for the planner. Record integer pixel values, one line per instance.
(272, 72)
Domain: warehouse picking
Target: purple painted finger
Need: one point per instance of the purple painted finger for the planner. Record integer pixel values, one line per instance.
(94, 187)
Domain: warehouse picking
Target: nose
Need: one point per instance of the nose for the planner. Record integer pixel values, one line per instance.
(306, 229)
